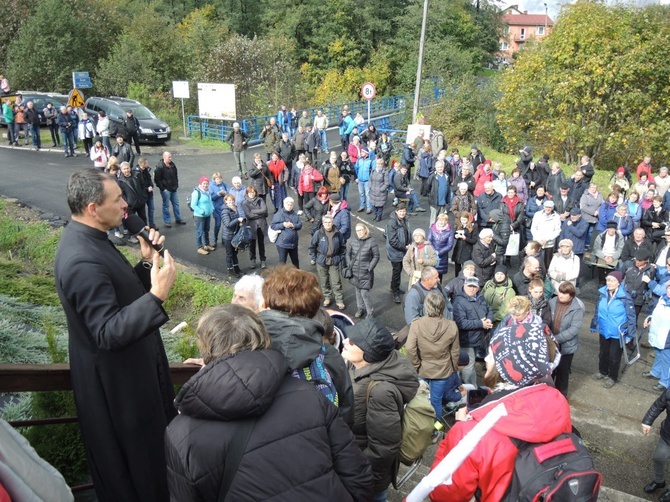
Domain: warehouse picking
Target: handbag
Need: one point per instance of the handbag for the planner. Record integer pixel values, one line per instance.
(345, 271)
(267, 180)
(242, 238)
(273, 234)
(416, 277)
(512, 248)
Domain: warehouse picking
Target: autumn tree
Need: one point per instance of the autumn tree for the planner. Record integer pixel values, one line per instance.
(598, 85)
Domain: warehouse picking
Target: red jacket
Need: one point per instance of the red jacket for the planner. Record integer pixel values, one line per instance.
(536, 414)
(481, 177)
(308, 176)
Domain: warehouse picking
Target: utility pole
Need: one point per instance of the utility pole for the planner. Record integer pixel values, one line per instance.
(417, 89)
(546, 16)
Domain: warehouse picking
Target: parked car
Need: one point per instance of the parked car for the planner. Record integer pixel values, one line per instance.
(40, 99)
(152, 129)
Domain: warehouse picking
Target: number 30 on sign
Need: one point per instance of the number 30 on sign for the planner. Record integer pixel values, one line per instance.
(368, 91)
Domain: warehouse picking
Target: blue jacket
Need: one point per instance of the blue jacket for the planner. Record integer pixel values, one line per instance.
(610, 314)
(442, 241)
(239, 198)
(342, 220)
(468, 314)
(533, 207)
(426, 163)
(635, 210)
(363, 168)
(347, 125)
(319, 247)
(576, 232)
(408, 156)
(625, 224)
(229, 223)
(217, 199)
(288, 238)
(201, 203)
(605, 214)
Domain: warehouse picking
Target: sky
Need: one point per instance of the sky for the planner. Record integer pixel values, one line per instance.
(554, 6)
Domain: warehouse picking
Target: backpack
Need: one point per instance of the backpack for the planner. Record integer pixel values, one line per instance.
(418, 424)
(317, 373)
(437, 143)
(188, 199)
(561, 470)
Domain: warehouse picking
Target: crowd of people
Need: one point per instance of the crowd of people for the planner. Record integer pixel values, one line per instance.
(517, 246)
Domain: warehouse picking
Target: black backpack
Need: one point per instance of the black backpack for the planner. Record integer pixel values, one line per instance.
(561, 470)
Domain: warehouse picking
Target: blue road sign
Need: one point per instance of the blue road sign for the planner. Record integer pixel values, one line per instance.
(81, 80)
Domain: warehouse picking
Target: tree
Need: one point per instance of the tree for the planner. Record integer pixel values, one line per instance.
(14, 14)
(598, 85)
(61, 36)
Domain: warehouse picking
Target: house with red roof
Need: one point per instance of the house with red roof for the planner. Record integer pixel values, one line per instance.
(521, 27)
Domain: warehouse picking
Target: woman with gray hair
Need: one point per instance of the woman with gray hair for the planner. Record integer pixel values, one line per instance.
(420, 253)
(433, 348)
(287, 222)
(564, 265)
(243, 410)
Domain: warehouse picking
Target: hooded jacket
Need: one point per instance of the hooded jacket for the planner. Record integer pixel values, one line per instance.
(342, 219)
(362, 258)
(502, 228)
(535, 414)
(468, 314)
(482, 255)
(377, 420)
(497, 295)
(288, 237)
(576, 232)
(294, 422)
(442, 241)
(615, 313)
(299, 340)
(397, 237)
(433, 347)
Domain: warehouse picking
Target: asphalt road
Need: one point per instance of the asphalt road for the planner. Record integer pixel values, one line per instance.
(609, 420)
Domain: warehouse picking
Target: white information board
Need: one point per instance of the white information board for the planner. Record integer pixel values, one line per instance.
(216, 101)
(180, 89)
(413, 132)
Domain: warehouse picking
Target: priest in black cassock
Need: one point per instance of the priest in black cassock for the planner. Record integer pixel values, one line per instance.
(120, 372)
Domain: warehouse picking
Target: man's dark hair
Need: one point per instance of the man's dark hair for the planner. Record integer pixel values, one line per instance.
(84, 187)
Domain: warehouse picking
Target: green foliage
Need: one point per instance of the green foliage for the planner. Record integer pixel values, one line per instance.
(196, 294)
(597, 85)
(60, 38)
(468, 113)
(14, 14)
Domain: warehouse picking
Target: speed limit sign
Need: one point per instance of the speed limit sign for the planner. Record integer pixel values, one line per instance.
(368, 91)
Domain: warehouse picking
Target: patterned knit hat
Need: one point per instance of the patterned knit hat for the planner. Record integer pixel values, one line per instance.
(521, 353)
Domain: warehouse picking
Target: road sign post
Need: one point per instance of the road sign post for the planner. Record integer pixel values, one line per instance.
(180, 90)
(81, 80)
(368, 92)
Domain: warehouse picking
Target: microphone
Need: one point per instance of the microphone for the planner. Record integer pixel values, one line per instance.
(135, 226)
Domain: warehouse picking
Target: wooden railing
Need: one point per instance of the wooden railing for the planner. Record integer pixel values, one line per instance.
(56, 377)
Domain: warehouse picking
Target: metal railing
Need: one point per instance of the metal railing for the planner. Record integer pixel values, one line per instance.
(380, 108)
(56, 377)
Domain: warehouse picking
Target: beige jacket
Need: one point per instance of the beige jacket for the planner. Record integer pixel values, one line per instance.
(432, 347)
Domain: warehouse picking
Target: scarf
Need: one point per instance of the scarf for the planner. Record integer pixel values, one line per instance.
(561, 309)
(511, 204)
(537, 304)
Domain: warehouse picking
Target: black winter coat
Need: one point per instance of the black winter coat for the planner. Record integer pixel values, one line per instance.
(468, 314)
(377, 423)
(315, 209)
(463, 247)
(300, 339)
(362, 258)
(482, 256)
(650, 217)
(299, 445)
(397, 237)
(145, 181)
(660, 405)
(502, 228)
(259, 174)
(256, 212)
(229, 223)
(533, 175)
(132, 191)
(166, 178)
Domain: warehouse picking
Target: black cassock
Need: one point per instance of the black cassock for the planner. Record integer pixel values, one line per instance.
(120, 373)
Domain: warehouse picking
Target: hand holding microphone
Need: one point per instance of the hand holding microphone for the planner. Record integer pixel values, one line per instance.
(150, 241)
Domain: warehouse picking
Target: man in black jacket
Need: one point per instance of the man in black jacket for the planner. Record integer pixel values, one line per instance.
(34, 118)
(122, 151)
(133, 193)
(521, 280)
(143, 173)
(132, 126)
(167, 181)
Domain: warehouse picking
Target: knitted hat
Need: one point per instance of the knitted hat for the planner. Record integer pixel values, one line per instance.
(501, 268)
(373, 338)
(419, 231)
(621, 170)
(469, 263)
(203, 179)
(334, 197)
(617, 275)
(521, 353)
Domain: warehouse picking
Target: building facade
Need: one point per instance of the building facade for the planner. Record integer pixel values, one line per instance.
(519, 28)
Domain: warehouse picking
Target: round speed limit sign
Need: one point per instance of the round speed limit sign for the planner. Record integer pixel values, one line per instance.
(368, 91)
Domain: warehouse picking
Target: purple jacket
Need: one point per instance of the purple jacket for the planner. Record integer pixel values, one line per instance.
(521, 188)
(442, 241)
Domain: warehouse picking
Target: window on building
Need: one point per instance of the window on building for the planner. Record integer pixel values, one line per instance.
(504, 46)
(523, 33)
(539, 30)
(505, 30)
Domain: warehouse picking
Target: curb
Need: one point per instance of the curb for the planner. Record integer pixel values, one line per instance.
(611, 495)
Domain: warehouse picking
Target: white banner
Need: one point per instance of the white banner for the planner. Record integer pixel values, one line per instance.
(216, 101)
(180, 89)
